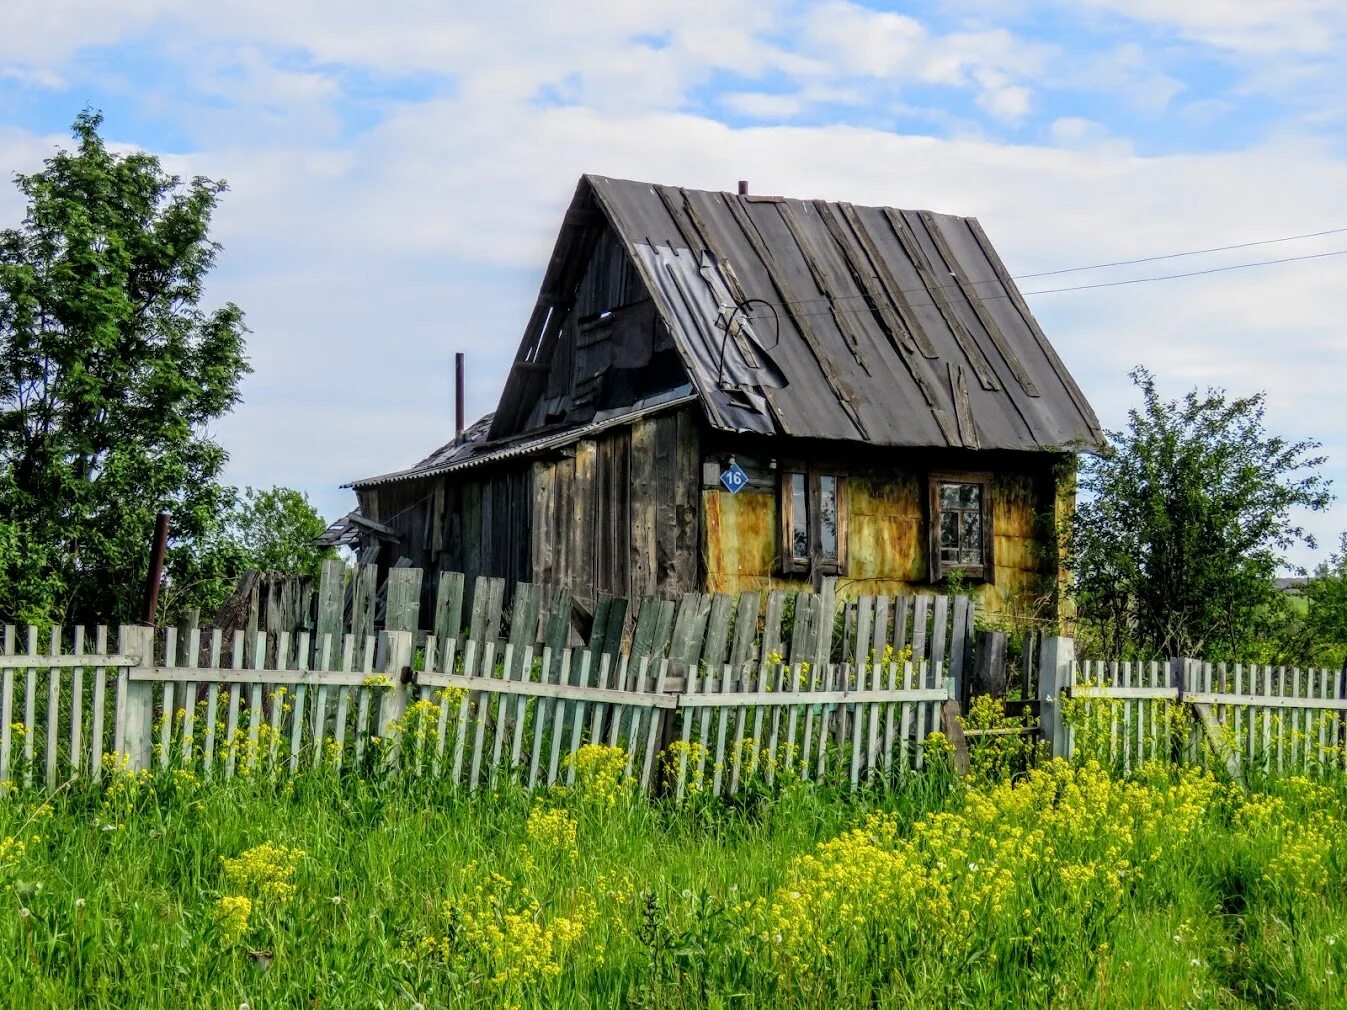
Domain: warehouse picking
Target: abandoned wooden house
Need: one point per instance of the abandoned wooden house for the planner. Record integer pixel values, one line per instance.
(723, 392)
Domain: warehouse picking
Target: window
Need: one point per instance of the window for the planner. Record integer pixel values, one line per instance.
(961, 536)
(813, 522)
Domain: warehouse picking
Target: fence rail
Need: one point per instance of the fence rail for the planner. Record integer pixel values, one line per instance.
(1273, 718)
(478, 710)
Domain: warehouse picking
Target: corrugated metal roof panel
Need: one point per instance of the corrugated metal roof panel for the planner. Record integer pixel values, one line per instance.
(886, 318)
(464, 456)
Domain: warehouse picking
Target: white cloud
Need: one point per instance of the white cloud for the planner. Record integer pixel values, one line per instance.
(763, 105)
(364, 261)
(1259, 28)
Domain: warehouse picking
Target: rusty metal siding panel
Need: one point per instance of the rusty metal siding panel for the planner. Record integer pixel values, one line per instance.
(887, 543)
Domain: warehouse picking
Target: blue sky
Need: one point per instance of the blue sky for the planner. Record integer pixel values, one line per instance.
(397, 172)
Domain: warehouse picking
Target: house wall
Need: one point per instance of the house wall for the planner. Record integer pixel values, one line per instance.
(887, 532)
(612, 349)
(618, 513)
(476, 522)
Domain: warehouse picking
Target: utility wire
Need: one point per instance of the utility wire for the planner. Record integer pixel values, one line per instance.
(973, 284)
(1177, 255)
(1187, 273)
(990, 296)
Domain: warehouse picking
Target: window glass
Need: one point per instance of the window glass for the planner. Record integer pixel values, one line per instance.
(799, 517)
(970, 539)
(961, 532)
(828, 516)
(949, 529)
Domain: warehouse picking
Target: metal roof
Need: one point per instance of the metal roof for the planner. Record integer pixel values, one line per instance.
(867, 324)
(475, 451)
(804, 318)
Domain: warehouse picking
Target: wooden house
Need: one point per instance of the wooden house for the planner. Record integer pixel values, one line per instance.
(723, 392)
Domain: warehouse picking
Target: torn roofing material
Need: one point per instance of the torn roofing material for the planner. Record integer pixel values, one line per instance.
(474, 450)
(865, 324)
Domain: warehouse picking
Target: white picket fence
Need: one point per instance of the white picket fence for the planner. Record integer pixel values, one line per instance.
(1274, 718)
(478, 712)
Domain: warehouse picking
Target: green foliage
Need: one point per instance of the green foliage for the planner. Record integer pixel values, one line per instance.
(109, 373)
(1325, 621)
(270, 531)
(1068, 888)
(1182, 526)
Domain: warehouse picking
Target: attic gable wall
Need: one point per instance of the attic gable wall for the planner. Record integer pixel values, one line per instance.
(601, 348)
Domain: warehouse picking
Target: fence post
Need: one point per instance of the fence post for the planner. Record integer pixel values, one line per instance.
(952, 726)
(395, 647)
(136, 731)
(990, 673)
(1056, 669)
(1178, 679)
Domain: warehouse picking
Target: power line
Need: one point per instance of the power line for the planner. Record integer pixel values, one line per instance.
(973, 283)
(1189, 273)
(1177, 255)
(1050, 291)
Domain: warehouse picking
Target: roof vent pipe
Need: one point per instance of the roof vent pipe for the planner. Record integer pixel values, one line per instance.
(743, 187)
(458, 396)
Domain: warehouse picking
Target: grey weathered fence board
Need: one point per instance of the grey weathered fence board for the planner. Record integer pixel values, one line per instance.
(448, 623)
(720, 671)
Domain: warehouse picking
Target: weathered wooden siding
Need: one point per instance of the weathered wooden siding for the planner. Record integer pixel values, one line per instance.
(887, 533)
(475, 522)
(619, 515)
(612, 349)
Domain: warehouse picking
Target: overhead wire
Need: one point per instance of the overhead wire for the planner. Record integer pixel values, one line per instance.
(974, 282)
(832, 308)
(1177, 255)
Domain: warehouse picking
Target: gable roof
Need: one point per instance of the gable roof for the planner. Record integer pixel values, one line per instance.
(866, 324)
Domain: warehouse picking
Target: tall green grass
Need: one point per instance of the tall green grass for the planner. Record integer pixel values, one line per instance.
(1069, 888)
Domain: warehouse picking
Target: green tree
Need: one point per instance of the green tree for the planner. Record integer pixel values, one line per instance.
(1326, 610)
(271, 531)
(109, 372)
(1183, 523)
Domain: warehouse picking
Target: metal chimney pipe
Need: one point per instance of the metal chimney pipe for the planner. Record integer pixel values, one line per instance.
(156, 572)
(743, 187)
(458, 395)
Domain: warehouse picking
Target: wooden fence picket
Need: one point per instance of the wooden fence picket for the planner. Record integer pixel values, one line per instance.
(754, 686)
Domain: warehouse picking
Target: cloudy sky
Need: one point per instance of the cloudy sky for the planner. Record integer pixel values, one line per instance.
(397, 171)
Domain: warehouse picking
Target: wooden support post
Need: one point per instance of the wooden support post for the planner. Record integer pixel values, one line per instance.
(1178, 679)
(1056, 671)
(396, 649)
(135, 731)
(952, 726)
(1342, 716)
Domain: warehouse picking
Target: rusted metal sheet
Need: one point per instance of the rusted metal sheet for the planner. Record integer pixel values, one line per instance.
(740, 532)
(887, 548)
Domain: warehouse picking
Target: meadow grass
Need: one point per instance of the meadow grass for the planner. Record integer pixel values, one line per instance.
(1068, 887)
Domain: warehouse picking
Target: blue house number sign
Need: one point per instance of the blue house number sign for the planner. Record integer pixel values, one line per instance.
(734, 479)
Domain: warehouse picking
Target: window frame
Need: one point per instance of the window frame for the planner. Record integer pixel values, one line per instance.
(816, 561)
(939, 568)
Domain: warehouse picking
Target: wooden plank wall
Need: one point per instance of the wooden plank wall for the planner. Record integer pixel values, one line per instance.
(619, 516)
